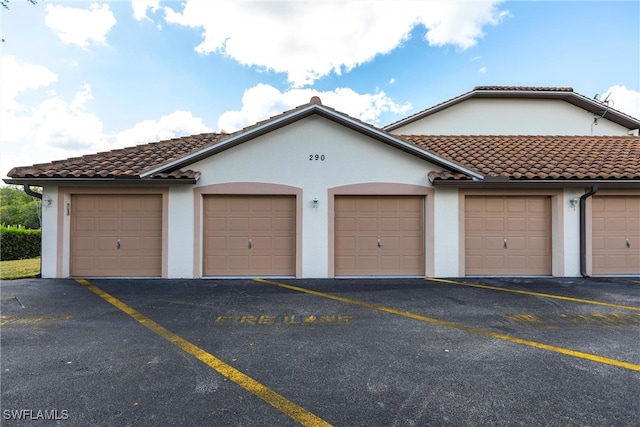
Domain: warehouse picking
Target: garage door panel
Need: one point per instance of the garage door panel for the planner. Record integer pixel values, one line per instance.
(490, 242)
(85, 224)
(368, 243)
(494, 205)
(412, 244)
(517, 262)
(537, 243)
(523, 223)
(131, 224)
(237, 204)
(517, 243)
(494, 224)
(105, 244)
(516, 224)
(390, 263)
(367, 224)
(517, 206)
(107, 225)
(615, 220)
(390, 224)
(345, 244)
(345, 224)
(390, 243)
(493, 262)
(412, 225)
(284, 224)
(267, 221)
(473, 223)
(283, 244)
(98, 222)
(238, 224)
(396, 221)
(537, 262)
(152, 225)
(473, 242)
(238, 243)
(261, 224)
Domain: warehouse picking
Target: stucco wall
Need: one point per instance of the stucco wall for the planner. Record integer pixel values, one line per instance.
(287, 157)
(511, 117)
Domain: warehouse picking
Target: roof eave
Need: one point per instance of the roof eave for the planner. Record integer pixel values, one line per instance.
(538, 183)
(100, 182)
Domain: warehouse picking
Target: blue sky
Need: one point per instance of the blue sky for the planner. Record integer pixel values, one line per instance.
(81, 77)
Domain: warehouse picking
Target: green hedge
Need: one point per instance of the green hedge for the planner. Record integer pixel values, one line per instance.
(19, 243)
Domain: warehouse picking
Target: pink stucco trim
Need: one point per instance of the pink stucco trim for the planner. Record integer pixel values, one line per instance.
(64, 230)
(240, 188)
(557, 223)
(384, 189)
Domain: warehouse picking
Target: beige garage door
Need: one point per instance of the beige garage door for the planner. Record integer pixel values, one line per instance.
(249, 236)
(507, 235)
(379, 235)
(616, 235)
(116, 235)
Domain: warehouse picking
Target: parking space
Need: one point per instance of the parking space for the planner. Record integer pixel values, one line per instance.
(321, 352)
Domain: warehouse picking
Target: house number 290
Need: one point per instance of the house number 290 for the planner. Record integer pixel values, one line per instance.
(316, 157)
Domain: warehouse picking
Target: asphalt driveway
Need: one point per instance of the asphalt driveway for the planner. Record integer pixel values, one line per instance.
(348, 352)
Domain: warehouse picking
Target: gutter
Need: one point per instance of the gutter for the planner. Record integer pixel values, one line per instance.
(583, 230)
(29, 191)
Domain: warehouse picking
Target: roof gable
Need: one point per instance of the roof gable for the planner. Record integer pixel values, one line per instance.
(165, 160)
(526, 92)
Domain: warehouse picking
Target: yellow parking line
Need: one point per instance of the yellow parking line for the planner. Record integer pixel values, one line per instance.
(536, 294)
(276, 400)
(565, 351)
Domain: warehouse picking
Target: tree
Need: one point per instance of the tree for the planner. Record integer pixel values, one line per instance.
(18, 208)
(5, 5)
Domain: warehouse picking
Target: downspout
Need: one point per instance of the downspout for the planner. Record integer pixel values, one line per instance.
(29, 191)
(583, 230)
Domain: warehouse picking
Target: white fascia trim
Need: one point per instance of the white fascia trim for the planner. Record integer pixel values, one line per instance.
(328, 113)
(230, 141)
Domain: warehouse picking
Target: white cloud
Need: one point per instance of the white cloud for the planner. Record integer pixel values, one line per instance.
(482, 70)
(176, 124)
(625, 100)
(310, 39)
(16, 77)
(140, 8)
(54, 129)
(263, 101)
(81, 26)
(59, 128)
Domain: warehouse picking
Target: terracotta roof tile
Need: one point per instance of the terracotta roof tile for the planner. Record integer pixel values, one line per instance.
(128, 162)
(523, 157)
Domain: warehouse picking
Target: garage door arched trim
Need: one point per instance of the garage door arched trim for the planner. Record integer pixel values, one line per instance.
(246, 189)
(383, 189)
(64, 200)
(556, 226)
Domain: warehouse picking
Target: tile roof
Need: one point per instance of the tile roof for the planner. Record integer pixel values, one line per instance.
(531, 157)
(128, 162)
(525, 88)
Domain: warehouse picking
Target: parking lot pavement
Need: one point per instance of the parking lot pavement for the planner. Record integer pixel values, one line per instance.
(348, 352)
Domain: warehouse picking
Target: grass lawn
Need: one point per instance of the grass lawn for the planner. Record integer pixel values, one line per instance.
(20, 269)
